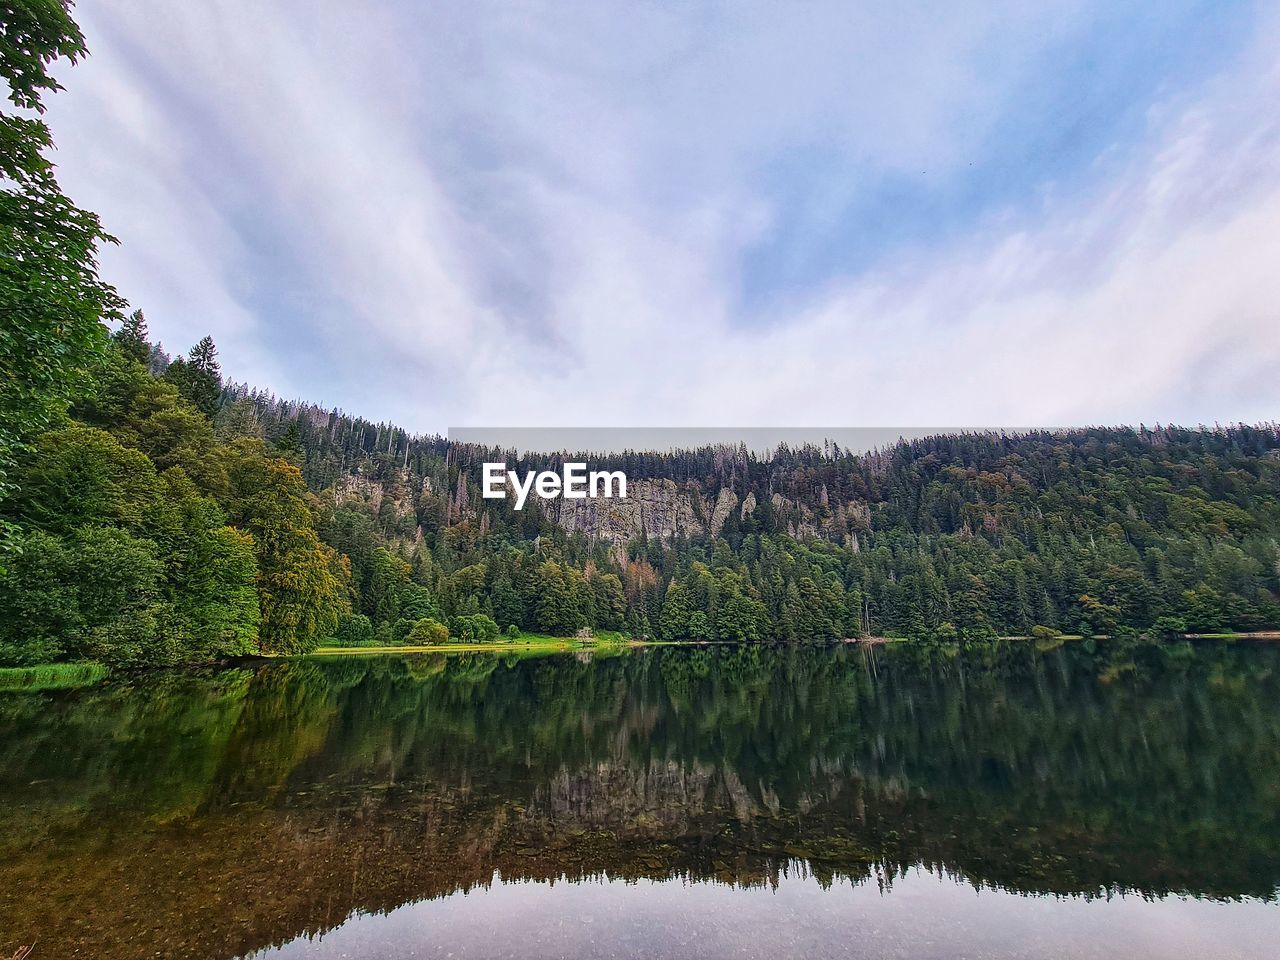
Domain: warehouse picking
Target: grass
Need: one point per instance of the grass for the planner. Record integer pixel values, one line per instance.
(523, 642)
(50, 676)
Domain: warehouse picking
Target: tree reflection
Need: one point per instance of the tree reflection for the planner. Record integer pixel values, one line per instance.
(271, 801)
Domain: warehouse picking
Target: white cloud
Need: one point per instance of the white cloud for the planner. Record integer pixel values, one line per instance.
(538, 213)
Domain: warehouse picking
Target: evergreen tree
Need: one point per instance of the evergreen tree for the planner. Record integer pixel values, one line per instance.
(559, 612)
(677, 608)
(609, 602)
(289, 445)
(199, 377)
(508, 609)
(131, 339)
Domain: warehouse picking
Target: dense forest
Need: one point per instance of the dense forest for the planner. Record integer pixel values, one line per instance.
(166, 518)
(154, 514)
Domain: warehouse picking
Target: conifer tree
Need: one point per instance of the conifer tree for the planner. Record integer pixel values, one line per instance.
(132, 339)
(199, 377)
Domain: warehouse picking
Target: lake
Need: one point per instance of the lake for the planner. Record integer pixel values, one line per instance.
(901, 801)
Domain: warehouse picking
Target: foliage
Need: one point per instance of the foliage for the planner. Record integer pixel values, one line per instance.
(121, 563)
(51, 297)
(300, 580)
(132, 338)
(428, 631)
(475, 628)
(140, 458)
(954, 538)
(354, 630)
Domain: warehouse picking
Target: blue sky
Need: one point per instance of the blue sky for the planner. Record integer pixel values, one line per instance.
(748, 214)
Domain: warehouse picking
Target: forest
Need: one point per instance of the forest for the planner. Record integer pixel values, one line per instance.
(153, 512)
(166, 517)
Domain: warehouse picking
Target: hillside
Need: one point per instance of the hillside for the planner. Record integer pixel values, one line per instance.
(172, 519)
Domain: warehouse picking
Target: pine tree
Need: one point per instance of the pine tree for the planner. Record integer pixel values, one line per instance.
(132, 340)
(199, 377)
(676, 610)
(508, 610)
(559, 613)
(289, 445)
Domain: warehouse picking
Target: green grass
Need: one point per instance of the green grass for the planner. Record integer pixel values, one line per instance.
(50, 676)
(523, 642)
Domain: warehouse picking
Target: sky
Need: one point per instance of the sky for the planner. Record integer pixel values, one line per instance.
(554, 213)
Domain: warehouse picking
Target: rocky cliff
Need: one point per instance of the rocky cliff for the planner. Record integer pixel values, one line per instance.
(663, 509)
(659, 509)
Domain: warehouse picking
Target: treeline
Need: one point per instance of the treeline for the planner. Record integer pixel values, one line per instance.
(167, 518)
(1097, 531)
(1092, 531)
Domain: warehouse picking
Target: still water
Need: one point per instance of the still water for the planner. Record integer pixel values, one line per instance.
(715, 802)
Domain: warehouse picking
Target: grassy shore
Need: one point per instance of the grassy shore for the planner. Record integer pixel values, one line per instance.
(50, 676)
(67, 676)
(524, 642)
(540, 642)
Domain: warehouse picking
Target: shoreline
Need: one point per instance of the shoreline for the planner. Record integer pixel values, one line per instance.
(554, 644)
(64, 676)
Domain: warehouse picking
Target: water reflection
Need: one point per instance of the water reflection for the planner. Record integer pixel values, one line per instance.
(923, 918)
(211, 815)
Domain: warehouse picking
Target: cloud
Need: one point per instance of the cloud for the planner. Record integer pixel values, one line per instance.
(538, 213)
(1153, 298)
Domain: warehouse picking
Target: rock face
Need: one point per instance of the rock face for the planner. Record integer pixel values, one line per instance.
(354, 488)
(663, 509)
(660, 508)
(725, 502)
